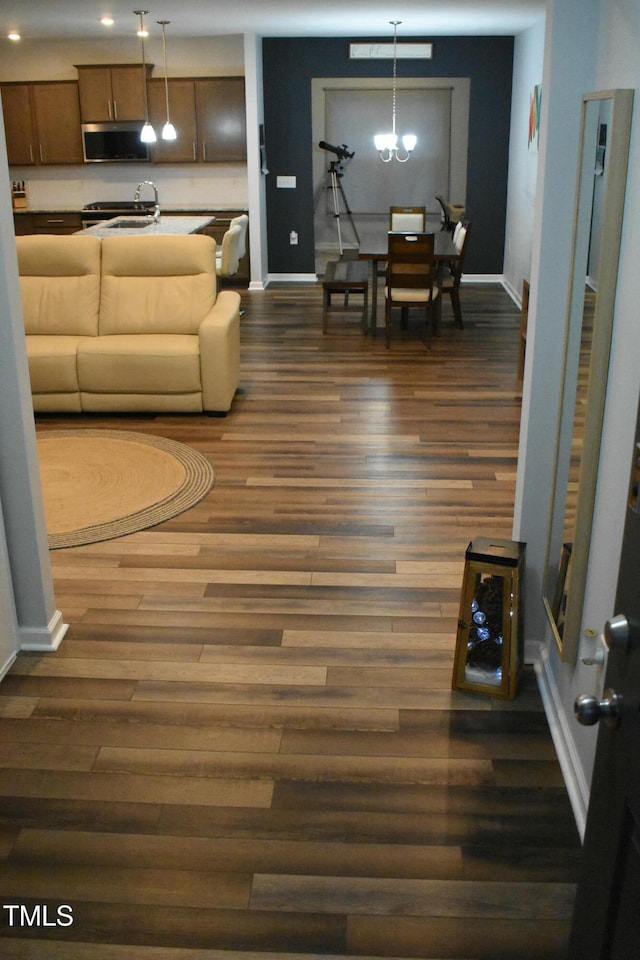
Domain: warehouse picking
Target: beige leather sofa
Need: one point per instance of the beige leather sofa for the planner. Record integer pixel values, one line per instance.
(128, 324)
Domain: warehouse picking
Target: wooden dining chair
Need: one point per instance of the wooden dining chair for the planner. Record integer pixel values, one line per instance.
(452, 273)
(411, 276)
(407, 218)
(452, 213)
(413, 219)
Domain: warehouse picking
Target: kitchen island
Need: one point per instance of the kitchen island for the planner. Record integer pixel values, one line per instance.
(141, 226)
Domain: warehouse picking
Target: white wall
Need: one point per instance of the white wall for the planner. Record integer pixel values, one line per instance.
(523, 163)
(590, 45)
(186, 56)
(617, 66)
(9, 642)
(27, 603)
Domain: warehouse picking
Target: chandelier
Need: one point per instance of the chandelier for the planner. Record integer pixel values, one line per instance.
(387, 143)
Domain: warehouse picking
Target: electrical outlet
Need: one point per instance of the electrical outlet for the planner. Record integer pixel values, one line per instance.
(293, 238)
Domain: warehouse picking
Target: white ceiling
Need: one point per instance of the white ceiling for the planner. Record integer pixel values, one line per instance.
(60, 19)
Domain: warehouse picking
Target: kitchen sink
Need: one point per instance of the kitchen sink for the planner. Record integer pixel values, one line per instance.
(139, 224)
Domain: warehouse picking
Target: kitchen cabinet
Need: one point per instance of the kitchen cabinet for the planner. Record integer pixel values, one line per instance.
(57, 222)
(18, 127)
(209, 116)
(23, 224)
(182, 109)
(221, 116)
(42, 123)
(112, 92)
(49, 222)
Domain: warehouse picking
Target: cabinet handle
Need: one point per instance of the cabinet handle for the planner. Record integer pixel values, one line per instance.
(204, 151)
(53, 220)
(195, 150)
(109, 109)
(115, 109)
(31, 152)
(41, 154)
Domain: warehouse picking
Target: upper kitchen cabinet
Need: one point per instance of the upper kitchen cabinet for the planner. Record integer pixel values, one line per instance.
(209, 117)
(221, 115)
(114, 92)
(42, 123)
(182, 109)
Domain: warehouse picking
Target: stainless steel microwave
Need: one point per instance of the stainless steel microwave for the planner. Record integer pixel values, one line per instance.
(117, 140)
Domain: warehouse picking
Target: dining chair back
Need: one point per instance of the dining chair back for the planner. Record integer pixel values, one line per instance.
(407, 218)
(411, 276)
(447, 223)
(450, 281)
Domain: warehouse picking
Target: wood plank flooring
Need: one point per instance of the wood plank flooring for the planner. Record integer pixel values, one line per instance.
(247, 746)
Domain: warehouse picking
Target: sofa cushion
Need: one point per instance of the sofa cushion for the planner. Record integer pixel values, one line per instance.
(52, 363)
(148, 363)
(59, 284)
(156, 285)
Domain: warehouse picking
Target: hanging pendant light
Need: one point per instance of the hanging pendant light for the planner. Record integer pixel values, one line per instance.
(387, 143)
(168, 131)
(147, 134)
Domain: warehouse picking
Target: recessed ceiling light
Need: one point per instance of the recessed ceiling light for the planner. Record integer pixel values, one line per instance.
(107, 21)
(14, 35)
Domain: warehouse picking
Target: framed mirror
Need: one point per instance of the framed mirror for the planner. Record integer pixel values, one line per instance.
(599, 204)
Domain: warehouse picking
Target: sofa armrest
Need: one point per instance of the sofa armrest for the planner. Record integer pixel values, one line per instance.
(220, 352)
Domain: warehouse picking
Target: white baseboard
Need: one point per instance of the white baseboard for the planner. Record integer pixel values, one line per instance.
(577, 787)
(292, 278)
(7, 665)
(513, 293)
(43, 639)
(312, 278)
(257, 285)
(481, 278)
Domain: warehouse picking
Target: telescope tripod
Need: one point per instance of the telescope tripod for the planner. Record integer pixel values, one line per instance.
(337, 192)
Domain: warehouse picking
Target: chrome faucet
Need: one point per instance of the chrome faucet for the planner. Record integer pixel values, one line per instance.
(156, 209)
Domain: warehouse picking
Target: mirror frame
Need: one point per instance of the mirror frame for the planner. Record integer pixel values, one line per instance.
(617, 152)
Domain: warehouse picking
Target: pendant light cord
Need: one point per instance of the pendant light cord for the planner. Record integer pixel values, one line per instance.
(395, 74)
(163, 24)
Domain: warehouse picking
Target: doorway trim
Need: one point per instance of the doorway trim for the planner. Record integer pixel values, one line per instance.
(460, 88)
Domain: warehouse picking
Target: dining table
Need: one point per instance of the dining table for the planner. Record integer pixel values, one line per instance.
(373, 244)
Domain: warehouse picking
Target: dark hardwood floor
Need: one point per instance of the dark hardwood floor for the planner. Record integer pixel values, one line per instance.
(247, 746)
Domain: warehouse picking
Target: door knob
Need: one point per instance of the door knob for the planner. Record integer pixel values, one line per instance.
(617, 633)
(589, 710)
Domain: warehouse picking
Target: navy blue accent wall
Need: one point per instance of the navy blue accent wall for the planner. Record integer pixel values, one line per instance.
(289, 66)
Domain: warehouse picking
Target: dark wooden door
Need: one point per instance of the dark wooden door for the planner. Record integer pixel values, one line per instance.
(606, 923)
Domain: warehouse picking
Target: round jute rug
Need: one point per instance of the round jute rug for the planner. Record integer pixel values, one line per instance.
(101, 484)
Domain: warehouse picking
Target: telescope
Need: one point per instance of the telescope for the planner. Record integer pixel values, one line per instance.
(342, 153)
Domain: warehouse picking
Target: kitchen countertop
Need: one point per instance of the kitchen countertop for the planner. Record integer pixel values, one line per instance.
(166, 208)
(168, 226)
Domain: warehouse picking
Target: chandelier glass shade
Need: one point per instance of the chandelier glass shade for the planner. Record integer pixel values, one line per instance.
(387, 143)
